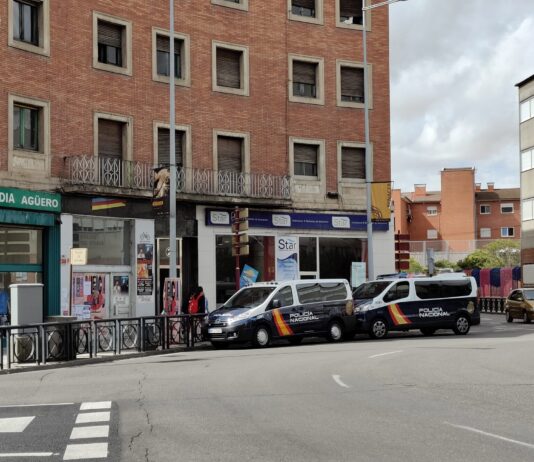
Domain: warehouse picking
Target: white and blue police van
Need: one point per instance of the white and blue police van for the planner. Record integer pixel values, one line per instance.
(447, 301)
(262, 312)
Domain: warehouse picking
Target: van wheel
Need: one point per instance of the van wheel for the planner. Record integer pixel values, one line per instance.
(509, 317)
(461, 326)
(379, 329)
(295, 340)
(427, 331)
(335, 332)
(262, 337)
(526, 319)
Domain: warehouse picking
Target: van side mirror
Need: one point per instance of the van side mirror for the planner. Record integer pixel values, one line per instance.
(276, 303)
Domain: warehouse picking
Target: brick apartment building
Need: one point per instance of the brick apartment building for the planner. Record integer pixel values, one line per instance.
(459, 218)
(526, 146)
(269, 114)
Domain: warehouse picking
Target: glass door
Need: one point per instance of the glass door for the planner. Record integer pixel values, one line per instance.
(120, 295)
(162, 272)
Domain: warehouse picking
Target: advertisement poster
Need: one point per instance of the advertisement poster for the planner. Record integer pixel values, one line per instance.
(249, 275)
(120, 295)
(89, 296)
(287, 258)
(145, 276)
(357, 273)
(171, 301)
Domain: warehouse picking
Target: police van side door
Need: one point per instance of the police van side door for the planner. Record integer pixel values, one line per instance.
(311, 308)
(399, 307)
(283, 310)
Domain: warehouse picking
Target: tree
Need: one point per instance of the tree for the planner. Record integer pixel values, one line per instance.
(415, 266)
(446, 264)
(496, 254)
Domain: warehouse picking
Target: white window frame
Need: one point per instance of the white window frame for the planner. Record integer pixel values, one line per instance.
(358, 65)
(432, 210)
(485, 213)
(307, 187)
(527, 209)
(126, 68)
(507, 204)
(485, 233)
(526, 110)
(526, 160)
(245, 161)
(187, 148)
(431, 234)
(185, 81)
(505, 231)
(340, 146)
(368, 19)
(44, 30)
(33, 162)
(242, 5)
(244, 68)
(319, 100)
(126, 137)
(319, 15)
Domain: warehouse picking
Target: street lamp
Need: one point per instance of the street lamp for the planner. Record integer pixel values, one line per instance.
(172, 151)
(368, 154)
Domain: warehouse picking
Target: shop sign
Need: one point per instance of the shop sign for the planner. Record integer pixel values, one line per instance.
(78, 256)
(318, 221)
(287, 258)
(30, 200)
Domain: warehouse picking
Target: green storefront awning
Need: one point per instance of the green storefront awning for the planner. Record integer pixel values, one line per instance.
(18, 217)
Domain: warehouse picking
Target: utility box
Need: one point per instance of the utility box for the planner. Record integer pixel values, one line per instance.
(26, 304)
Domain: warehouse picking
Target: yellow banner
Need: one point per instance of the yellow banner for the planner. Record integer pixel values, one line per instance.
(380, 201)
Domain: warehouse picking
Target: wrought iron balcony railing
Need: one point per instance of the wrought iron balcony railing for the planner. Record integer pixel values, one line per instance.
(116, 173)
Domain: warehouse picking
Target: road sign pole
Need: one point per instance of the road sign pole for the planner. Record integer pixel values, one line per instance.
(237, 253)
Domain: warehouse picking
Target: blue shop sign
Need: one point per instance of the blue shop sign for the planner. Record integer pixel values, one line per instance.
(283, 220)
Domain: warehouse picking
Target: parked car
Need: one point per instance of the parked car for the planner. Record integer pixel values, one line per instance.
(520, 305)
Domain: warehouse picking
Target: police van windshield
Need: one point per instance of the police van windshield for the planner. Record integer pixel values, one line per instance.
(370, 289)
(250, 297)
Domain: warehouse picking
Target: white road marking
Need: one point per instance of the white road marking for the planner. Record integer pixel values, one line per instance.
(28, 454)
(95, 405)
(491, 435)
(339, 382)
(35, 405)
(91, 417)
(384, 354)
(15, 424)
(86, 451)
(99, 431)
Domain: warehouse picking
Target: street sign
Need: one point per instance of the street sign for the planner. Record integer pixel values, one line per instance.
(78, 256)
(402, 246)
(240, 251)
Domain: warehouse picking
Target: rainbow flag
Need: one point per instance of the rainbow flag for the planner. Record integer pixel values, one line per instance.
(103, 203)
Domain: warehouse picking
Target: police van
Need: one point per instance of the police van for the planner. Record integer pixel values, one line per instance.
(266, 311)
(427, 303)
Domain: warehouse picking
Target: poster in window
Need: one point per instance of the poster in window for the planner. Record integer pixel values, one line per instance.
(145, 259)
(120, 296)
(287, 258)
(89, 296)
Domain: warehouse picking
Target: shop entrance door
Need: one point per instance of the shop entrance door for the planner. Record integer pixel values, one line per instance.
(163, 267)
(120, 295)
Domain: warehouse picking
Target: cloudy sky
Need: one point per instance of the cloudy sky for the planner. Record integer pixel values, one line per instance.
(454, 66)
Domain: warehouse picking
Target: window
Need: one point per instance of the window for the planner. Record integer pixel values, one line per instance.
(507, 232)
(507, 208)
(350, 84)
(427, 289)
(432, 210)
(485, 209)
(112, 44)
(28, 135)
(26, 128)
(485, 233)
(432, 234)
(29, 25)
(237, 4)
(349, 14)
(110, 138)
(164, 147)
(527, 109)
(230, 154)
(398, 291)
(456, 288)
(285, 296)
(526, 160)
(527, 209)
(310, 11)
(161, 57)
(305, 163)
(21, 246)
(230, 69)
(306, 75)
(352, 163)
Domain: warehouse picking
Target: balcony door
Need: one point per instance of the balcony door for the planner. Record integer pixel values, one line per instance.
(110, 151)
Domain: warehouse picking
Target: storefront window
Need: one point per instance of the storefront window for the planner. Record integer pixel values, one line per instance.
(336, 256)
(261, 258)
(108, 240)
(21, 246)
(308, 253)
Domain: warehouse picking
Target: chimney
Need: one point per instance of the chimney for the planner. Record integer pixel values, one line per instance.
(477, 187)
(420, 190)
(491, 186)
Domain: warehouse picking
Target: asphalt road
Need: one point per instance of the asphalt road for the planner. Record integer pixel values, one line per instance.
(406, 398)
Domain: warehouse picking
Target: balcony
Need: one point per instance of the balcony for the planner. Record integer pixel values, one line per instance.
(109, 175)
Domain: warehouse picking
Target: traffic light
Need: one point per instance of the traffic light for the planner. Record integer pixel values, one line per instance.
(239, 229)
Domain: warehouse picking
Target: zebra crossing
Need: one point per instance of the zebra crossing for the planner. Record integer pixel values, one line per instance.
(72, 431)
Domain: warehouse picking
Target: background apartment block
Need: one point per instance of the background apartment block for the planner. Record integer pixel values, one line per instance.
(459, 218)
(269, 113)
